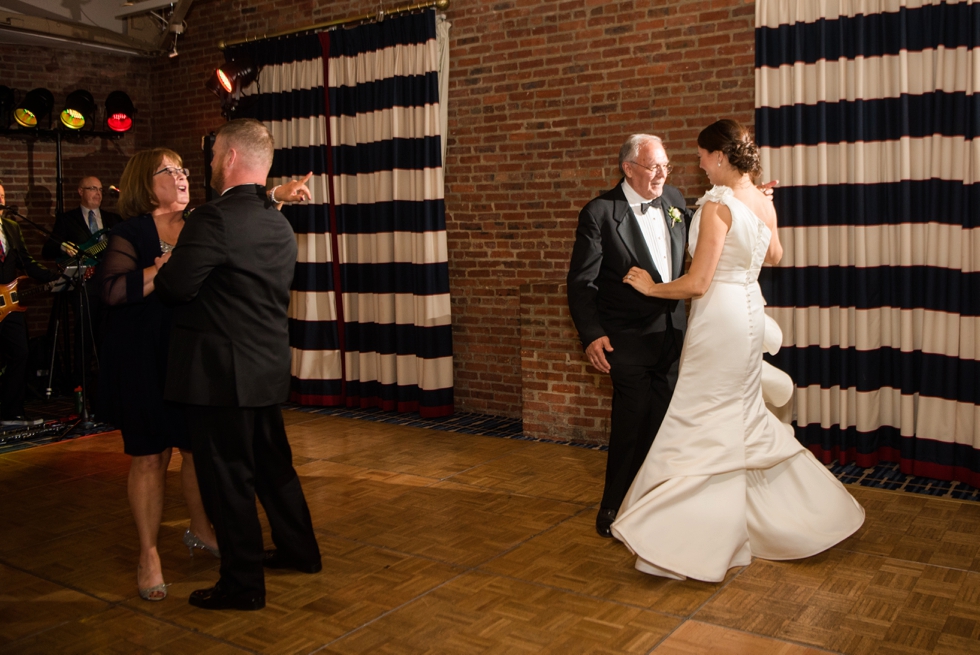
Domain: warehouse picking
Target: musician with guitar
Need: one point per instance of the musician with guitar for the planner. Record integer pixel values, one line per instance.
(15, 260)
(83, 229)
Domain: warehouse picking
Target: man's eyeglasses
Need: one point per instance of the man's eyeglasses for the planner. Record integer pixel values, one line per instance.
(93, 188)
(176, 172)
(663, 168)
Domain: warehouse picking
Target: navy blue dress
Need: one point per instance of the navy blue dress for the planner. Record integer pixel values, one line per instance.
(133, 366)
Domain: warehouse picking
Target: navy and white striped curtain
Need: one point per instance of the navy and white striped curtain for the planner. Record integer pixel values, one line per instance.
(369, 318)
(868, 114)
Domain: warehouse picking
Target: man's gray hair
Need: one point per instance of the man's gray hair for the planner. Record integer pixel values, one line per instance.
(631, 148)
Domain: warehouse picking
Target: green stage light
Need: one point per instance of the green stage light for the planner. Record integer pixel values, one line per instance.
(36, 106)
(79, 110)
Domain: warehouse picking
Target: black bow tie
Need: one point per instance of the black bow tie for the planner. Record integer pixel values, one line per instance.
(646, 205)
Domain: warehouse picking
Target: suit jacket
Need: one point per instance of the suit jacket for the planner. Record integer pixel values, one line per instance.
(72, 226)
(608, 242)
(17, 259)
(228, 280)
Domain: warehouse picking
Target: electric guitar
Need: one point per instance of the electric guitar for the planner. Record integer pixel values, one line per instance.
(10, 297)
(90, 251)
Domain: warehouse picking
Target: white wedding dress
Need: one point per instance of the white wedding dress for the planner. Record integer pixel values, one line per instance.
(725, 480)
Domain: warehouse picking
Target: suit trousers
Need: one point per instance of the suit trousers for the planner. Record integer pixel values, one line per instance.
(643, 369)
(241, 453)
(14, 350)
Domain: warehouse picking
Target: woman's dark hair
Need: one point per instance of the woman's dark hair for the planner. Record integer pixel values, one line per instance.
(731, 138)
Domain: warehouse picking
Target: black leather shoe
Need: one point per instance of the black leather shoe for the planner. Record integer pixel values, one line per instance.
(604, 520)
(217, 598)
(272, 559)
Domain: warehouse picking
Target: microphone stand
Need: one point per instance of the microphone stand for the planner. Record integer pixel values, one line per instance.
(78, 285)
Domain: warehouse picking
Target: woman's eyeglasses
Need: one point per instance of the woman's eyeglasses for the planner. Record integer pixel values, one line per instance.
(176, 172)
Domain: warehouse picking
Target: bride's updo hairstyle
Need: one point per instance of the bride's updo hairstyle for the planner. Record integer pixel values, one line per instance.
(731, 138)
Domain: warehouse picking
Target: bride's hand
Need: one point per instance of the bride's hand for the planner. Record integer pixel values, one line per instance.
(640, 280)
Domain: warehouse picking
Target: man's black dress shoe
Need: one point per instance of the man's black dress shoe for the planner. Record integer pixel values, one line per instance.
(217, 598)
(604, 520)
(273, 559)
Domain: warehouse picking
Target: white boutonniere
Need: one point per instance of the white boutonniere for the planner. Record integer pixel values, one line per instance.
(675, 216)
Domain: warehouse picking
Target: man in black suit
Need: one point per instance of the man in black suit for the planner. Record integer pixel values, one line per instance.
(15, 260)
(228, 279)
(78, 228)
(634, 338)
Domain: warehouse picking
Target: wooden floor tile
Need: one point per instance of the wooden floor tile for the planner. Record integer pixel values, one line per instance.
(338, 493)
(29, 605)
(120, 630)
(572, 556)
(428, 453)
(453, 523)
(696, 638)
(851, 602)
(303, 612)
(480, 613)
(922, 529)
(575, 475)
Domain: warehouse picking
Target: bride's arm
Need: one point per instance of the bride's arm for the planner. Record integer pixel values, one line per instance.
(716, 220)
(775, 252)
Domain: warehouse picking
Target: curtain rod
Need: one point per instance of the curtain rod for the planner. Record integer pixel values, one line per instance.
(441, 5)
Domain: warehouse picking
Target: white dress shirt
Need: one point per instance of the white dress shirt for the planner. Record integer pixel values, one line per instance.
(654, 228)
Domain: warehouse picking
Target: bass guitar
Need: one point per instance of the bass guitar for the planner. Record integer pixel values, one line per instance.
(10, 297)
(89, 252)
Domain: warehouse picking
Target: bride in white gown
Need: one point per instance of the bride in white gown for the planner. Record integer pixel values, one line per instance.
(725, 480)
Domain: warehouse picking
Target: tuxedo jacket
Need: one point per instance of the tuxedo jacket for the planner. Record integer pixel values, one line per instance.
(17, 260)
(608, 242)
(72, 227)
(228, 280)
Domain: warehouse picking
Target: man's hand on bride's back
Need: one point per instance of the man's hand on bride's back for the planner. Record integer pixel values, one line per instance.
(596, 352)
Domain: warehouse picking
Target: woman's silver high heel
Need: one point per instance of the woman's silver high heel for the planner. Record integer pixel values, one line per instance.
(192, 541)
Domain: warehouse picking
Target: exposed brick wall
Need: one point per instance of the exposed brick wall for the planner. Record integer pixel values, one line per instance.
(542, 93)
(564, 398)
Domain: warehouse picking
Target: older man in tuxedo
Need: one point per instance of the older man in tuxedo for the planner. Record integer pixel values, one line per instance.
(634, 338)
(228, 279)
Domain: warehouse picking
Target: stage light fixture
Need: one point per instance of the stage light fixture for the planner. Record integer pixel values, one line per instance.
(119, 112)
(228, 81)
(236, 74)
(79, 110)
(36, 106)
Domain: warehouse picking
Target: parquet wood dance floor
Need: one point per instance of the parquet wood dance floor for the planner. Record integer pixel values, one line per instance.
(436, 542)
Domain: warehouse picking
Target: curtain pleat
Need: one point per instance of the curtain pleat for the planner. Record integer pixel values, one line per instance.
(868, 113)
(369, 318)
(387, 181)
